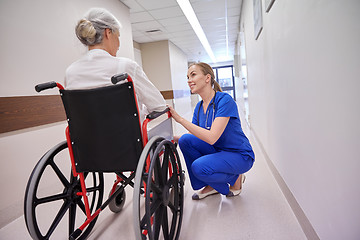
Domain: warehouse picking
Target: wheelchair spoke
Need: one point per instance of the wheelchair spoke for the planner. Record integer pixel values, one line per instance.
(72, 214)
(58, 218)
(81, 206)
(155, 188)
(93, 189)
(58, 172)
(172, 181)
(154, 206)
(53, 198)
(143, 222)
(165, 224)
(93, 202)
(173, 222)
(158, 221)
(165, 165)
(172, 207)
(158, 173)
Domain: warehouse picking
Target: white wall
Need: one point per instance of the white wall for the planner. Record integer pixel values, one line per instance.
(182, 95)
(37, 44)
(156, 65)
(38, 40)
(178, 67)
(303, 78)
(166, 66)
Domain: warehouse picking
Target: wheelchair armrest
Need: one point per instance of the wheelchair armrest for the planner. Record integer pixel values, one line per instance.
(155, 114)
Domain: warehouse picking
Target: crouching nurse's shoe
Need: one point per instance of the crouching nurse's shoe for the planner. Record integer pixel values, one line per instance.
(198, 195)
(234, 192)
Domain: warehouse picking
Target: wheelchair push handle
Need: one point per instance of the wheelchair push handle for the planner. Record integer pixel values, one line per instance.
(119, 77)
(154, 114)
(43, 86)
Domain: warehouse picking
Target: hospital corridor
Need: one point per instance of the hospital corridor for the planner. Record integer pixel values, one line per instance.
(291, 68)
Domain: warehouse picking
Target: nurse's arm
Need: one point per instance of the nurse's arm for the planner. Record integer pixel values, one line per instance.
(209, 136)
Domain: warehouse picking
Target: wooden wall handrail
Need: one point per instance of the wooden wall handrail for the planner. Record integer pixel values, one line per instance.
(29, 111)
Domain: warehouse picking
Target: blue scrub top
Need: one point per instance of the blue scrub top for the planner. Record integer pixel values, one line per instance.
(233, 138)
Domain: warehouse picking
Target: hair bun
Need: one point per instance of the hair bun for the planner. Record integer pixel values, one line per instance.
(85, 32)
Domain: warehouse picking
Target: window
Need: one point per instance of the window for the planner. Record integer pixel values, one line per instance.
(225, 77)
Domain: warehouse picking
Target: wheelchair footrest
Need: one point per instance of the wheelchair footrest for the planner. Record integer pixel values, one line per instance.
(75, 234)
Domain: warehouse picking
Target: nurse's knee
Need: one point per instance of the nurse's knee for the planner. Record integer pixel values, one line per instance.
(185, 141)
(199, 169)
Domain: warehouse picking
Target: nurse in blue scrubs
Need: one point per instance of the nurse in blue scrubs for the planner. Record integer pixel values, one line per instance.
(216, 151)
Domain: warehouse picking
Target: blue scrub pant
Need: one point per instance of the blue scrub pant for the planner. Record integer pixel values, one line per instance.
(208, 166)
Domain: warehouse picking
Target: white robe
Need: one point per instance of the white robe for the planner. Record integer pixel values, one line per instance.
(96, 68)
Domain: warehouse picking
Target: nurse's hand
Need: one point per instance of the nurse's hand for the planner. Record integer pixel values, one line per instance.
(174, 114)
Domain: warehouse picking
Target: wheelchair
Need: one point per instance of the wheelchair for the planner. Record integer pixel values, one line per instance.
(104, 135)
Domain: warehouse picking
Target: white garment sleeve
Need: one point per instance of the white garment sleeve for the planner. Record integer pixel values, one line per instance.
(146, 92)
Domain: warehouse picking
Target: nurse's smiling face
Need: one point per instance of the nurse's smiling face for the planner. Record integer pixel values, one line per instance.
(197, 80)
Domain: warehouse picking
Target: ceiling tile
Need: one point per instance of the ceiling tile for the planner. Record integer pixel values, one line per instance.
(187, 33)
(173, 21)
(146, 26)
(140, 17)
(178, 28)
(164, 13)
(133, 5)
(156, 4)
(143, 39)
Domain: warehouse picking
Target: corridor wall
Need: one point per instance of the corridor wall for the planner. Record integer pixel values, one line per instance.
(303, 73)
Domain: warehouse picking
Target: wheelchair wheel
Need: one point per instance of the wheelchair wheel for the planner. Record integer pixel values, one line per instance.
(52, 207)
(159, 214)
(118, 202)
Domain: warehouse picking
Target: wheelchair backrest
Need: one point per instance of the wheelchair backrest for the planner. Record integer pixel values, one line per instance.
(104, 128)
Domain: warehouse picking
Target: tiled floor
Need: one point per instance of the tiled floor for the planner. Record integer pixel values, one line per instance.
(260, 212)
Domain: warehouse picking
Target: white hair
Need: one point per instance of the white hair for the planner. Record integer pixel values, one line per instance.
(89, 30)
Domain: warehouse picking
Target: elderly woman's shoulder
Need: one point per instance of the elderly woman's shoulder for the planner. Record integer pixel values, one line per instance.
(128, 61)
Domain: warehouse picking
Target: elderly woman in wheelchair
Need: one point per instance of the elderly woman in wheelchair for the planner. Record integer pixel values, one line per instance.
(105, 133)
(99, 31)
